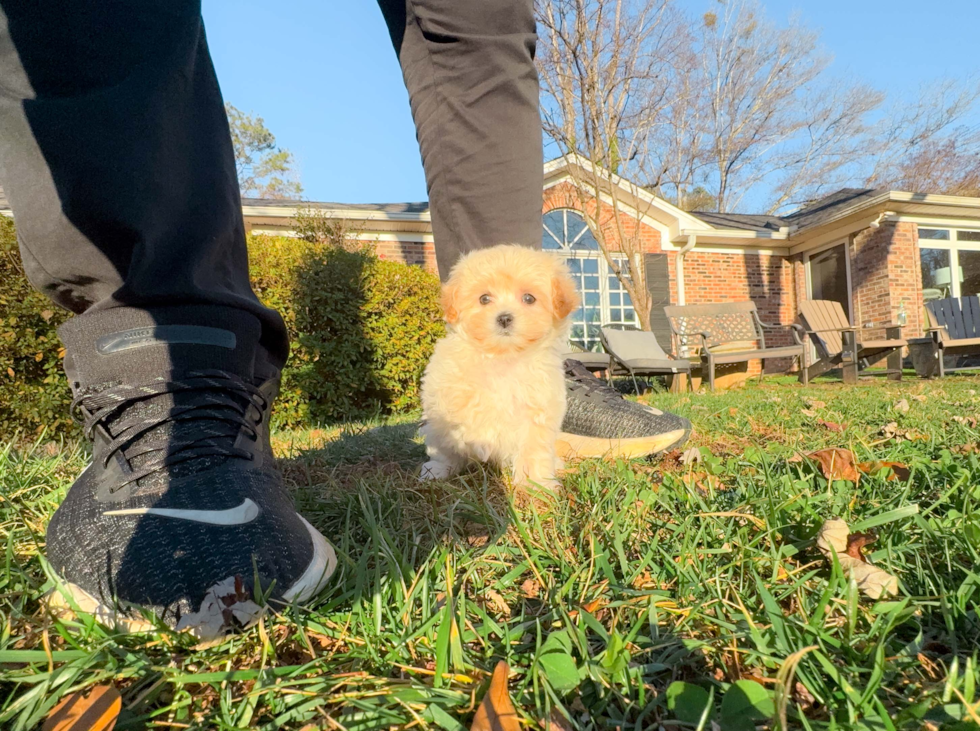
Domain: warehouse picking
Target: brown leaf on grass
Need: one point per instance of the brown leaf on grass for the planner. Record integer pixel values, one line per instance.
(531, 588)
(556, 722)
(834, 538)
(815, 404)
(832, 426)
(920, 398)
(902, 406)
(856, 543)
(733, 411)
(497, 712)
(836, 463)
(809, 412)
(691, 455)
(496, 602)
(898, 471)
(96, 711)
(966, 420)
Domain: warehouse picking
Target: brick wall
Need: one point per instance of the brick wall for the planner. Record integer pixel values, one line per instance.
(768, 280)
(885, 273)
(407, 252)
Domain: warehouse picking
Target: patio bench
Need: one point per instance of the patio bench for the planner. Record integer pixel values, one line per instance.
(729, 332)
(635, 351)
(839, 346)
(954, 329)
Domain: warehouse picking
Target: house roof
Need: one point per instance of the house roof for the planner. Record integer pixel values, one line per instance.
(831, 206)
(741, 221)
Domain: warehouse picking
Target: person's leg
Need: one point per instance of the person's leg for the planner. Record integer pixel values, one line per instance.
(116, 157)
(469, 69)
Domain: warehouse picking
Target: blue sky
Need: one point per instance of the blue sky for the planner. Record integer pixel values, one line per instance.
(324, 77)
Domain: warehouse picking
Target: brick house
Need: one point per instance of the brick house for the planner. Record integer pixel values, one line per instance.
(878, 252)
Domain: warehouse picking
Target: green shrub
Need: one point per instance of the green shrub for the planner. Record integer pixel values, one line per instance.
(362, 329)
(34, 394)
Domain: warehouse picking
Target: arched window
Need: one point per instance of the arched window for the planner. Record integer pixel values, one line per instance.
(604, 300)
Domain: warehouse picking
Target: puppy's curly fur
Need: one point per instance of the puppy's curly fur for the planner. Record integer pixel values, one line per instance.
(494, 389)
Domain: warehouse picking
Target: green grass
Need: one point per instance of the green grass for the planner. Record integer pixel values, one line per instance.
(640, 576)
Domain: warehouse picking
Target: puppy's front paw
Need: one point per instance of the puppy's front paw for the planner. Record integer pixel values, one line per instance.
(433, 470)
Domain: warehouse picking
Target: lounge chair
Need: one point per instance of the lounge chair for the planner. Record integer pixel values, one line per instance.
(839, 346)
(638, 352)
(954, 329)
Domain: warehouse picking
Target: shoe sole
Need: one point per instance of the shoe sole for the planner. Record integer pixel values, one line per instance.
(582, 447)
(321, 567)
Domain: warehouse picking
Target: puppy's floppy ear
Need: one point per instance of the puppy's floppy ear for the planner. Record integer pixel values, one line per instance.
(450, 292)
(564, 298)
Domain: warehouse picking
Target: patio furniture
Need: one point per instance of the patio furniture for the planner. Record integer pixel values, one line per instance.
(839, 347)
(638, 352)
(592, 361)
(729, 332)
(954, 329)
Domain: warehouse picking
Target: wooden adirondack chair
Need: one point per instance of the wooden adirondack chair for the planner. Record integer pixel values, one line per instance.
(954, 329)
(838, 345)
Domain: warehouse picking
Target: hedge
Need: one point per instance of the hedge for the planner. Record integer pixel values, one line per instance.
(362, 330)
(34, 394)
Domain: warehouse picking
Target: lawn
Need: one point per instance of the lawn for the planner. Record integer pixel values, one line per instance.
(644, 591)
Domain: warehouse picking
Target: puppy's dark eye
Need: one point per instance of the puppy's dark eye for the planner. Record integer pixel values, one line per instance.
(528, 299)
(484, 299)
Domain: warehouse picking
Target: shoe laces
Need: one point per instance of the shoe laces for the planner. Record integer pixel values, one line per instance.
(159, 435)
(579, 379)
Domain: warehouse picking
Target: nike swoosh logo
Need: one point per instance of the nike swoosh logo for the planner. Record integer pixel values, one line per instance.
(244, 513)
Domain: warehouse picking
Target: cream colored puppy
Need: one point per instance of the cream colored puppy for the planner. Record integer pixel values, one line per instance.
(494, 390)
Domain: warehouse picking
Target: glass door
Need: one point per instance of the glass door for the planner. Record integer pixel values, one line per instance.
(828, 277)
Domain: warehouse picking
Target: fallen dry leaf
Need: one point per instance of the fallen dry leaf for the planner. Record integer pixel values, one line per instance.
(815, 404)
(902, 406)
(96, 711)
(531, 588)
(808, 412)
(832, 426)
(899, 471)
(835, 537)
(856, 543)
(920, 398)
(836, 463)
(556, 722)
(691, 455)
(497, 712)
(971, 421)
(496, 602)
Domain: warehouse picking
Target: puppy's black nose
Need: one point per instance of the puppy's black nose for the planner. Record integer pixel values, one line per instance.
(505, 320)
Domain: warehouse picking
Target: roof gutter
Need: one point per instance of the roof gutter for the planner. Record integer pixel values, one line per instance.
(692, 240)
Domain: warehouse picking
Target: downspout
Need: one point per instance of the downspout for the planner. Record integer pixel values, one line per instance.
(692, 239)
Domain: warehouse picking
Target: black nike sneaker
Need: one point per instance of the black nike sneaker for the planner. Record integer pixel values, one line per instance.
(182, 510)
(599, 422)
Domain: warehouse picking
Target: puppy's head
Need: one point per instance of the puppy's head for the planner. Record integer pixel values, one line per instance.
(508, 298)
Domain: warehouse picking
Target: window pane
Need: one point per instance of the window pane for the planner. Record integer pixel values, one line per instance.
(968, 235)
(969, 273)
(934, 233)
(614, 283)
(935, 274)
(592, 283)
(614, 298)
(587, 242)
(592, 299)
(590, 266)
(828, 277)
(576, 226)
(615, 314)
(574, 265)
(553, 232)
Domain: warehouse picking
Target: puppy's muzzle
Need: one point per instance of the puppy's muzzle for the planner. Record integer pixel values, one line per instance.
(505, 320)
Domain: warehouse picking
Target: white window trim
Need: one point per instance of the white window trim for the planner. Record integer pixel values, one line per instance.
(605, 308)
(953, 245)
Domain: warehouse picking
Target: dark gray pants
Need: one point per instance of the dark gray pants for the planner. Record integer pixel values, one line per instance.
(116, 157)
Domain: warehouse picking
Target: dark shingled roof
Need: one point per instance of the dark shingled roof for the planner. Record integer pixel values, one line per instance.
(826, 208)
(745, 221)
(383, 207)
